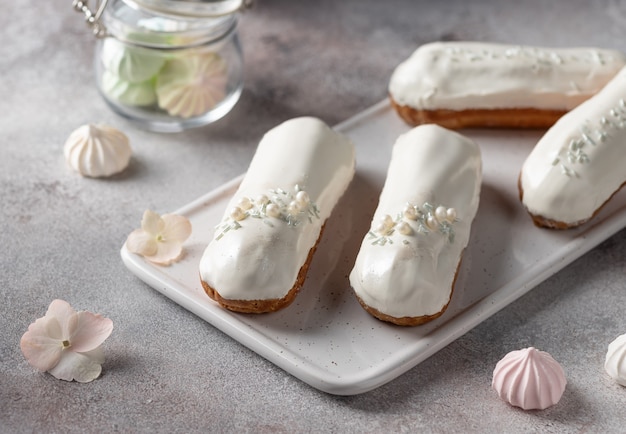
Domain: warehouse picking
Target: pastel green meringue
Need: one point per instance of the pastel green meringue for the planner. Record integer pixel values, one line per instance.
(126, 92)
(129, 63)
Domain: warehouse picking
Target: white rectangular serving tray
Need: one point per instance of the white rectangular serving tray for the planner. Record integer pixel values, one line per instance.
(325, 338)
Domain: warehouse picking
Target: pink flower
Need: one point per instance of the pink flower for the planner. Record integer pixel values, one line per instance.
(66, 343)
(160, 239)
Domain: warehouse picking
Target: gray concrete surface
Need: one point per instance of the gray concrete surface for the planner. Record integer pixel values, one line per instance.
(167, 370)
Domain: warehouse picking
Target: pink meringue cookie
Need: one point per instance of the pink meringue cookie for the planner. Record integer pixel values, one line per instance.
(529, 379)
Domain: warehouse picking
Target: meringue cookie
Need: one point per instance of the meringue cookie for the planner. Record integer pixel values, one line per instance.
(615, 363)
(129, 63)
(192, 85)
(125, 92)
(97, 150)
(529, 379)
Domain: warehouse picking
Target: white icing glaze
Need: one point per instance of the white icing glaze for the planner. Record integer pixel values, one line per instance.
(615, 362)
(97, 150)
(529, 379)
(259, 258)
(471, 75)
(411, 275)
(578, 164)
(192, 85)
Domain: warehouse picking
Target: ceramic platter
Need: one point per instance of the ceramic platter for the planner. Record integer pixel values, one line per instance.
(325, 338)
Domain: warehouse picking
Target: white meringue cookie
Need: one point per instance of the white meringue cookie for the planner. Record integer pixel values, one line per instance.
(97, 150)
(529, 379)
(192, 85)
(615, 362)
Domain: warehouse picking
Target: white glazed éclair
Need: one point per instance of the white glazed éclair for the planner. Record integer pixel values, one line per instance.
(485, 84)
(578, 164)
(407, 264)
(258, 257)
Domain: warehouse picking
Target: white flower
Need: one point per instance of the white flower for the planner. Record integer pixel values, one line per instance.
(66, 343)
(160, 239)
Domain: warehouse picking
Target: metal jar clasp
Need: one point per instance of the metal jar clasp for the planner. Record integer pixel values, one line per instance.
(92, 19)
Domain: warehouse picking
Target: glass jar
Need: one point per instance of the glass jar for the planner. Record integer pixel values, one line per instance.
(168, 65)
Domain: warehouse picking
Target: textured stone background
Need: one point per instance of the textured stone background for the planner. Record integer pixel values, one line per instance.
(167, 370)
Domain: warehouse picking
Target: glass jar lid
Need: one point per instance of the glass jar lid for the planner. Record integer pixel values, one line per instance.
(162, 23)
(131, 22)
(195, 8)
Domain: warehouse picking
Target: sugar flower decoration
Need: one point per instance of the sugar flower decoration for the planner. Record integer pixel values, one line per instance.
(66, 343)
(160, 239)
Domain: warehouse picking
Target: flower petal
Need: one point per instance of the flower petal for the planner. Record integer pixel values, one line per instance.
(52, 328)
(96, 355)
(62, 311)
(82, 367)
(168, 252)
(141, 243)
(40, 350)
(88, 331)
(176, 228)
(151, 222)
